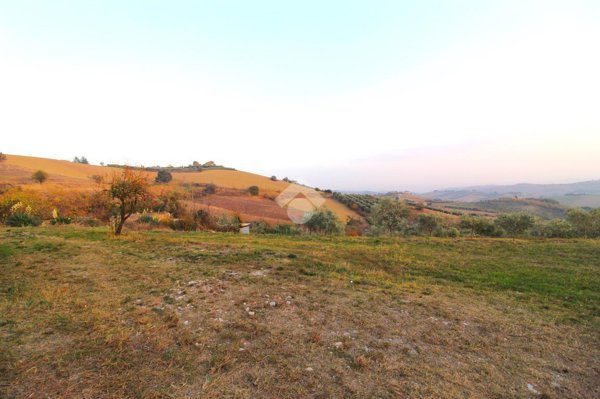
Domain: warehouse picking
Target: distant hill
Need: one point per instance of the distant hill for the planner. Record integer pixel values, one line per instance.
(585, 193)
(543, 208)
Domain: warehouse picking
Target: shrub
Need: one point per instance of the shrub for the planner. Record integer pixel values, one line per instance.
(22, 220)
(274, 178)
(210, 189)
(39, 176)
(428, 223)
(253, 190)
(147, 218)
(284, 229)
(324, 221)
(2, 157)
(228, 223)
(57, 219)
(163, 176)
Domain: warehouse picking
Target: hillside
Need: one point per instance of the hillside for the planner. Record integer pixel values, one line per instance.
(230, 197)
(543, 208)
(588, 192)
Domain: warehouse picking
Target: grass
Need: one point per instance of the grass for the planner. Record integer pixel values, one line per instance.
(185, 315)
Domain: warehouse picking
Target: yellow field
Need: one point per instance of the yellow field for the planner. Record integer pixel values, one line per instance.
(17, 170)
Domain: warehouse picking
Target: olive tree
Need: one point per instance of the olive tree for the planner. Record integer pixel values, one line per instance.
(129, 193)
(390, 214)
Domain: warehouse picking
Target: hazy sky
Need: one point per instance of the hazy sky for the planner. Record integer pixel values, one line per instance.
(375, 95)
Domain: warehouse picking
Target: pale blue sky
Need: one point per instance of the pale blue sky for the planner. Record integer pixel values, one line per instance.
(309, 88)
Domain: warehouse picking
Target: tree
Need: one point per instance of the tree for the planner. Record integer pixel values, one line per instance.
(274, 178)
(390, 215)
(515, 224)
(582, 222)
(81, 160)
(163, 176)
(428, 223)
(477, 225)
(2, 157)
(324, 221)
(39, 176)
(253, 190)
(557, 228)
(129, 192)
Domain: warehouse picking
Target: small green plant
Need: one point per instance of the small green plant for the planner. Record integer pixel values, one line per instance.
(22, 220)
(57, 219)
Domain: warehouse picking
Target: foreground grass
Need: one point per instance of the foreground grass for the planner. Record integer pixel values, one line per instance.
(162, 314)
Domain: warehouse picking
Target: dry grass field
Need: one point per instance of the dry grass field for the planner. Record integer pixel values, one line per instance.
(231, 198)
(205, 315)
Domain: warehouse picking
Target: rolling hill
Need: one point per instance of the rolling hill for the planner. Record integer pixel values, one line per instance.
(585, 193)
(231, 196)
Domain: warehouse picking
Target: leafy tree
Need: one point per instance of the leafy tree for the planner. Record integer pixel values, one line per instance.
(515, 223)
(557, 228)
(163, 176)
(274, 178)
(2, 157)
(253, 190)
(390, 215)
(428, 223)
(39, 176)
(477, 225)
(129, 192)
(324, 221)
(82, 160)
(583, 222)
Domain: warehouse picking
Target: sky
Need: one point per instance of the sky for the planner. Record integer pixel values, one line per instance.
(349, 95)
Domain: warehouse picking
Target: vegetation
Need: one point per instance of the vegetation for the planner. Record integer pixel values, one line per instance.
(210, 189)
(82, 160)
(427, 223)
(515, 224)
(2, 157)
(39, 176)
(163, 314)
(324, 221)
(390, 215)
(129, 192)
(253, 190)
(163, 176)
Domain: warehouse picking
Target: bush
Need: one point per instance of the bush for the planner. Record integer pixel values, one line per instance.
(2, 157)
(274, 178)
(515, 223)
(147, 218)
(97, 178)
(39, 176)
(210, 189)
(324, 221)
(88, 221)
(163, 176)
(284, 229)
(228, 223)
(253, 190)
(22, 220)
(428, 223)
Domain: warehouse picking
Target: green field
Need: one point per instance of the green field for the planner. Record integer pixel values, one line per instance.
(188, 315)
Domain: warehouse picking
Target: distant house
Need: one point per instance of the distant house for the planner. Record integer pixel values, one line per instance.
(244, 228)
